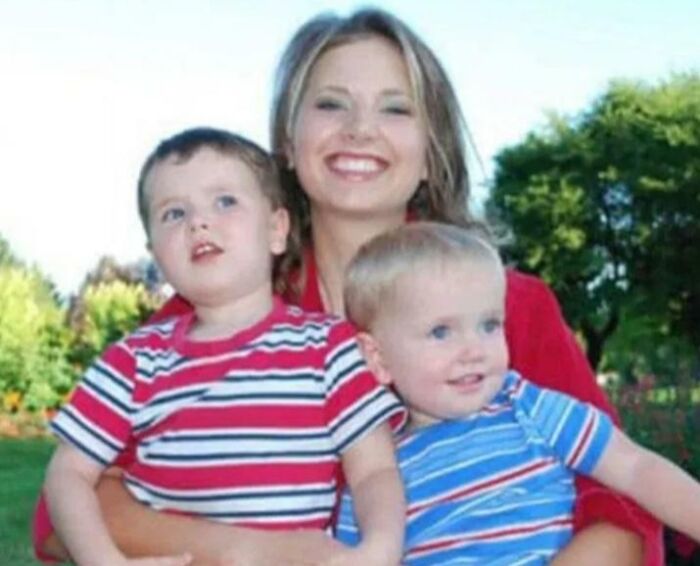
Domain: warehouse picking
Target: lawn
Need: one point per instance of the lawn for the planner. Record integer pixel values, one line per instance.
(22, 465)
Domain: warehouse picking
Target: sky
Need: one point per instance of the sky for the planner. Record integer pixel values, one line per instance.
(90, 86)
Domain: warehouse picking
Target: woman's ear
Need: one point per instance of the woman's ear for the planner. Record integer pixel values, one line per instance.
(373, 356)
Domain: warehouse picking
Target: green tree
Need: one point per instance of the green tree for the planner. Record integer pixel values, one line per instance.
(605, 206)
(6, 255)
(33, 339)
(112, 302)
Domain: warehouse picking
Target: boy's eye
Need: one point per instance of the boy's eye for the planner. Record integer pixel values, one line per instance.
(225, 201)
(439, 331)
(491, 325)
(172, 214)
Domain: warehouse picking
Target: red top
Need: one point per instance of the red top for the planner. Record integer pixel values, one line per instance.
(541, 347)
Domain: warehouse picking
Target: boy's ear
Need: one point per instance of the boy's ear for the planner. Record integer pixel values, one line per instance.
(373, 356)
(279, 230)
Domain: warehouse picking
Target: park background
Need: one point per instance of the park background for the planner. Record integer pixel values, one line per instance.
(585, 151)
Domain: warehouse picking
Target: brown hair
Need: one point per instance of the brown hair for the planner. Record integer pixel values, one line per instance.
(372, 275)
(183, 145)
(444, 196)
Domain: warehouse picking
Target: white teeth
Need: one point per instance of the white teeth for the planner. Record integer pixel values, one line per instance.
(356, 165)
(203, 249)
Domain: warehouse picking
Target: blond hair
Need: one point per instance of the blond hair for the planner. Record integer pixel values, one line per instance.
(371, 277)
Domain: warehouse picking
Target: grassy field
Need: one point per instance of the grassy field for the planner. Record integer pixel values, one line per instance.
(22, 465)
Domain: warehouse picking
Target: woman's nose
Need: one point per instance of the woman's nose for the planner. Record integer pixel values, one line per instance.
(360, 124)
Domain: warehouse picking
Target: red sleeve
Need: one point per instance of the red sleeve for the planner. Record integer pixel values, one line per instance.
(543, 348)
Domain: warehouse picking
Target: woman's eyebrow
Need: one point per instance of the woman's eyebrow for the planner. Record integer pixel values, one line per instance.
(338, 89)
(334, 88)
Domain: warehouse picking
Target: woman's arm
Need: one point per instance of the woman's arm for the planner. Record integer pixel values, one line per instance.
(140, 531)
(543, 348)
(602, 543)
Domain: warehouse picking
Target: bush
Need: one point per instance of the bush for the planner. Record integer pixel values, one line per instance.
(34, 370)
(104, 313)
(665, 420)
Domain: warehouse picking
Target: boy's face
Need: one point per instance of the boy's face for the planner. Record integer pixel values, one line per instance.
(212, 230)
(441, 338)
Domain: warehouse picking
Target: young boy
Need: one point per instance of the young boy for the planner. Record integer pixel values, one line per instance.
(488, 458)
(244, 410)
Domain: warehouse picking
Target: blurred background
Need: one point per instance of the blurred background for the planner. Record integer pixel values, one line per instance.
(584, 121)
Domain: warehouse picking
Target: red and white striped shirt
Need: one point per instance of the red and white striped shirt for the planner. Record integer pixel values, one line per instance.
(247, 430)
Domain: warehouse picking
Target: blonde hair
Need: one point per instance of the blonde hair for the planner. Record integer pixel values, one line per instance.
(444, 195)
(371, 277)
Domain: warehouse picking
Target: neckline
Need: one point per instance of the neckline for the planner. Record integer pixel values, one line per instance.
(198, 348)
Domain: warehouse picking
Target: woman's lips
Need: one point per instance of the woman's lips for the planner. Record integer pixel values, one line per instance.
(356, 167)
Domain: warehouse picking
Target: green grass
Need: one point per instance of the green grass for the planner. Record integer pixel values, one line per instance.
(22, 464)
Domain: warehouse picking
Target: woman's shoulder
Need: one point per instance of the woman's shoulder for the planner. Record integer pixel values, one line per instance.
(525, 292)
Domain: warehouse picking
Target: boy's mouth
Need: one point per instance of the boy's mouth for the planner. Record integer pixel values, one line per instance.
(468, 382)
(204, 250)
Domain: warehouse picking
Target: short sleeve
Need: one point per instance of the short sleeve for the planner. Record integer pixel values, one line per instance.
(97, 419)
(356, 402)
(577, 432)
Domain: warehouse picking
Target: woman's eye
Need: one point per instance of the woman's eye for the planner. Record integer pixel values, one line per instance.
(398, 110)
(225, 201)
(328, 104)
(439, 332)
(172, 214)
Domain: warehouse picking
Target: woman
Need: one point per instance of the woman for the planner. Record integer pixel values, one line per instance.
(368, 133)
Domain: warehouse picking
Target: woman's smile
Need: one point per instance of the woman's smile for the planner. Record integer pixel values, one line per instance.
(359, 144)
(356, 167)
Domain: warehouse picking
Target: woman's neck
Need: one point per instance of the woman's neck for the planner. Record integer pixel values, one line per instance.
(335, 242)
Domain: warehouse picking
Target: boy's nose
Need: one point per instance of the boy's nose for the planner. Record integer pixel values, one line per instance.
(472, 349)
(198, 222)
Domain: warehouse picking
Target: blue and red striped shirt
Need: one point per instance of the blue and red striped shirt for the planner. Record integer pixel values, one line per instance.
(498, 486)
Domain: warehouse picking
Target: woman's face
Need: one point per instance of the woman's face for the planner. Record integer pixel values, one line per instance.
(359, 143)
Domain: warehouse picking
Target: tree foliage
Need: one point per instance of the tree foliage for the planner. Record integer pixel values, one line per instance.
(606, 206)
(112, 302)
(33, 339)
(44, 347)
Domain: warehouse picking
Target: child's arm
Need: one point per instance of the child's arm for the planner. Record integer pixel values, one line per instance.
(378, 499)
(74, 509)
(654, 482)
